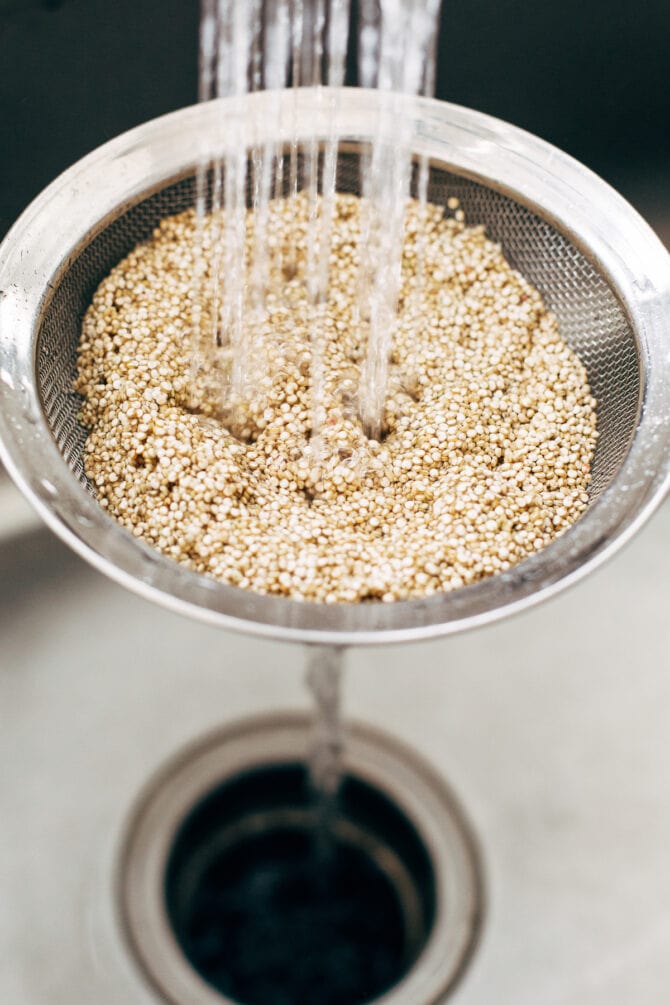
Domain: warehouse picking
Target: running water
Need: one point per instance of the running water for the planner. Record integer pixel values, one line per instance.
(324, 680)
(248, 45)
(403, 41)
(314, 21)
(209, 28)
(320, 220)
(245, 46)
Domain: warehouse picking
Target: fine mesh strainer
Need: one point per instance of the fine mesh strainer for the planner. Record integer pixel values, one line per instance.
(597, 264)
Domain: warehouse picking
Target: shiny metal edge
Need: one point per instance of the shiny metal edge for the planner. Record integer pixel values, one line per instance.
(77, 205)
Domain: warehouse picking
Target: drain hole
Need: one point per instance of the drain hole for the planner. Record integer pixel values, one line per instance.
(227, 896)
(265, 920)
(263, 925)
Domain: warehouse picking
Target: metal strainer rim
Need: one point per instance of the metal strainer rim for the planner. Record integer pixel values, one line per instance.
(81, 202)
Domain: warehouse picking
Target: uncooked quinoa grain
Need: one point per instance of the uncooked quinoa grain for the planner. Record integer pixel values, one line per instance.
(488, 434)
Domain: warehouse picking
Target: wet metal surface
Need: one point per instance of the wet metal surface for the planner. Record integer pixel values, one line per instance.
(551, 727)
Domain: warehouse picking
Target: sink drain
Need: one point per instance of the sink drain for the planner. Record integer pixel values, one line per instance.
(266, 916)
(226, 896)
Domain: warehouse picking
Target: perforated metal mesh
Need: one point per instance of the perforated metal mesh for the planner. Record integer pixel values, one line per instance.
(590, 316)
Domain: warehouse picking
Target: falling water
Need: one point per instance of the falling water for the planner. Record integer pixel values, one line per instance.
(404, 39)
(314, 21)
(320, 219)
(234, 71)
(206, 91)
(296, 79)
(324, 678)
(427, 90)
(276, 55)
(246, 45)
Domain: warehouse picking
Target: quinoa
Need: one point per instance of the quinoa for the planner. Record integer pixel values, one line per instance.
(488, 433)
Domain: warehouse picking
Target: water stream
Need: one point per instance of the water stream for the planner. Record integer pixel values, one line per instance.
(248, 45)
(245, 46)
(324, 680)
(405, 50)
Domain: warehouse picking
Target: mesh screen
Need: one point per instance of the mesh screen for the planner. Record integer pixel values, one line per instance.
(590, 316)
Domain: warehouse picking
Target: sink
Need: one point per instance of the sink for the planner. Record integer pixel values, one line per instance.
(551, 728)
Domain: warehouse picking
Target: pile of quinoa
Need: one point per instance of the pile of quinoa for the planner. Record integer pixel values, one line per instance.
(488, 433)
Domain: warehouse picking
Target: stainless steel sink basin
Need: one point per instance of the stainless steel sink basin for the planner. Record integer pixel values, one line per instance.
(551, 728)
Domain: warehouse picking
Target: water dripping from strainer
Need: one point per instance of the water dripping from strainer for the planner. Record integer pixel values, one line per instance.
(324, 680)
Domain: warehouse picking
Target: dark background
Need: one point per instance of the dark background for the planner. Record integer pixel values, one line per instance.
(589, 75)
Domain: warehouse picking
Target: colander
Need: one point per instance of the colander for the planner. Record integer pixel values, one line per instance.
(597, 264)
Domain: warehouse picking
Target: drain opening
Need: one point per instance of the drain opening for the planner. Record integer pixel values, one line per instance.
(265, 919)
(223, 898)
